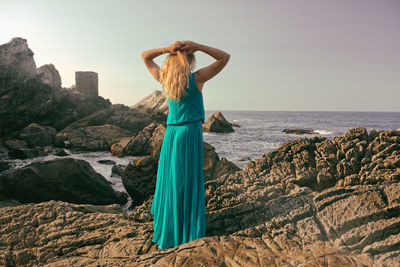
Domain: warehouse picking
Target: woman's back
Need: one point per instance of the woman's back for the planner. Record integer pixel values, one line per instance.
(189, 108)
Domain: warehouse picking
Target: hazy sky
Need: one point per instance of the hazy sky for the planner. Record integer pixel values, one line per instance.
(285, 55)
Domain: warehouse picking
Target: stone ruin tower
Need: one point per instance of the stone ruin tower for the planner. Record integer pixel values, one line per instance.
(87, 82)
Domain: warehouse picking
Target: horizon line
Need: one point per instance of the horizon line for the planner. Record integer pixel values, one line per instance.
(302, 110)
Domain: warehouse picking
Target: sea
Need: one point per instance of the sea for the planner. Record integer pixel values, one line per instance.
(259, 133)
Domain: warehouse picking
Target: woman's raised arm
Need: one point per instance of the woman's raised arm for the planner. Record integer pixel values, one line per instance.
(149, 55)
(206, 73)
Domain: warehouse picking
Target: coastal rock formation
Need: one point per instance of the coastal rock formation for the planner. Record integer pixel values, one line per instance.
(255, 217)
(94, 138)
(139, 179)
(38, 135)
(147, 142)
(50, 75)
(35, 95)
(18, 149)
(218, 124)
(298, 131)
(155, 102)
(16, 60)
(357, 226)
(67, 179)
(129, 121)
(213, 166)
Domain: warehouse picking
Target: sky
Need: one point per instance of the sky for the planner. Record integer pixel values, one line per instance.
(292, 55)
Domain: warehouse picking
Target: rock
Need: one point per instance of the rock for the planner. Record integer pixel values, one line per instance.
(213, 165)
(245, 158)
(66, 179)
(139, 179)
(147, 142)
(336, 226)
(31, 95)
(155, 102)
(15, 144)
(259, 216)
(50, 75)
(131, 120)
(218, 124)
(298, 131)
(4, 165)
(16, 60)
(94, 138)
(106, 162)
(38, 135)
(62, 153)
(26, 153)
(117, 170)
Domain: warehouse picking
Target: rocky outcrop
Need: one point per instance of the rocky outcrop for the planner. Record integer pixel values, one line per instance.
(66, 179)
(139, 179)
(147, 142)
(155, 102)
(298, 131)
(213, 166)
(38, 135)
(355, 158)
(50, 75)
(218, 124)
(16, 60)
(353, 226)
(34, 95)
(129, 121)
(255, 216)
(94, 138)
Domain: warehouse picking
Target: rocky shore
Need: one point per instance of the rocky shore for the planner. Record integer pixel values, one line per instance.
(278, 210)
(311, 202)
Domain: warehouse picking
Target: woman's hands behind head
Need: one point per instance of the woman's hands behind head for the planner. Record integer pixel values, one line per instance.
(183, 46)
(174, 47)
(188, 46)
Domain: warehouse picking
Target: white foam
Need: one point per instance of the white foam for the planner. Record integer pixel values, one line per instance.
(322, 132)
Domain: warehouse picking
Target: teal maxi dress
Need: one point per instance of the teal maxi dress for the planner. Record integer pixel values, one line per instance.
(178, 205)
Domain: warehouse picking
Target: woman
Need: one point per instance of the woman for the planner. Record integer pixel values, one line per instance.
(178, 205)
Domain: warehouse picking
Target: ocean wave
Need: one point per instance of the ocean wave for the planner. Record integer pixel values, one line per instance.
(322, 132)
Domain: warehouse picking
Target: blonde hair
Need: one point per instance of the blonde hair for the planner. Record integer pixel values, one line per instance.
(174, 74)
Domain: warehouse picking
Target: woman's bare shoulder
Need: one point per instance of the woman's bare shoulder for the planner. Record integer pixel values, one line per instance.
(199, 85)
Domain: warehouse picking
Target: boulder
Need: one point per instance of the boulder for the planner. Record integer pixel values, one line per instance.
(38, 135)
(298, 131)
(147, 142)
(155, 102)
(67, 179)
(94, 138)
(15, 144)
(213, 166)
(49, 74)
(218, 124)
(16, 60)
(139, 179)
